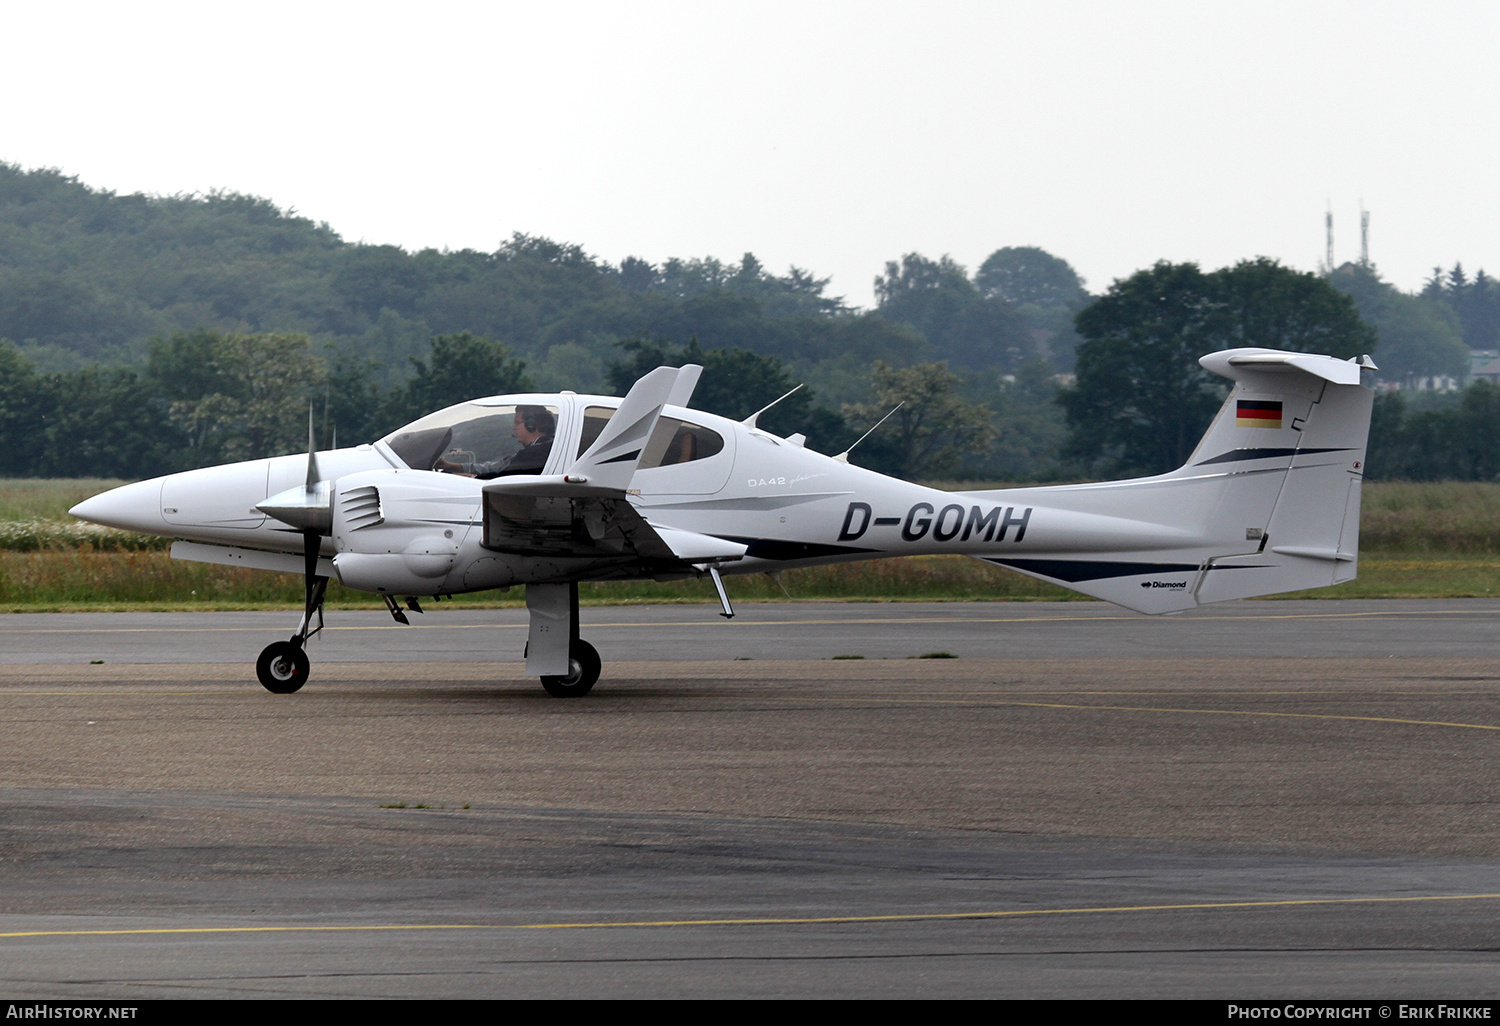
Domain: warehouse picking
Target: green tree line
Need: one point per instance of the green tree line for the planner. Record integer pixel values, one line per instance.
(1141, 401)
(88, 276)
(206, 397)
(153, 333)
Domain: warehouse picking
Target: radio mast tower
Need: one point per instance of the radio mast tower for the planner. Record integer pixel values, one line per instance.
(1328, 224)
(1364, 235)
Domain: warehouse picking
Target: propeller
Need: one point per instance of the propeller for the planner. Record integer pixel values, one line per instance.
(308, 508)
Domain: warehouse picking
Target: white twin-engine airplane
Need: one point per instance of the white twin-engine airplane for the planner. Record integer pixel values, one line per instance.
(549, 490)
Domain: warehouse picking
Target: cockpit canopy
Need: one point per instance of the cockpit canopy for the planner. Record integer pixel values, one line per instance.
(474, 438)
(484, 437)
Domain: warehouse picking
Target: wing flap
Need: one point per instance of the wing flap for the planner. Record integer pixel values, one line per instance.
(584, 512)
(553, 517)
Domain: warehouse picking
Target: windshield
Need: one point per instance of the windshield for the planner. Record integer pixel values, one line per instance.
(481, 441)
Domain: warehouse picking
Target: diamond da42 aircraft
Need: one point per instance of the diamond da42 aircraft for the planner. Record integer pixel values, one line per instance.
(547, 490)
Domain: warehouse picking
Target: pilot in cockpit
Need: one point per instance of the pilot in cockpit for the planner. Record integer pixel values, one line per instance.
(534, 427)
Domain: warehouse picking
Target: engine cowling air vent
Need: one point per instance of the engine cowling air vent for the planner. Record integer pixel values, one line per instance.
(362, 507)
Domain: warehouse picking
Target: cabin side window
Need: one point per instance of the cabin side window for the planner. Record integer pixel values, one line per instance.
(678, 441)
(594, 419)
(674, 441)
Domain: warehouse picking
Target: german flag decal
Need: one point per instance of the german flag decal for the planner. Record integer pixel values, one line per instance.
(1257, 413)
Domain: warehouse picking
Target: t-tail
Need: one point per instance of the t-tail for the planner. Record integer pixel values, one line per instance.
(1267, 503)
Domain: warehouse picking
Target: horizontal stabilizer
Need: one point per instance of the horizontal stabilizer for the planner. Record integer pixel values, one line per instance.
(1238, 363)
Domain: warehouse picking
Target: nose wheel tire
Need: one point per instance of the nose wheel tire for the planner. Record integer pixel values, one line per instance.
(283, 666)
(583, 672)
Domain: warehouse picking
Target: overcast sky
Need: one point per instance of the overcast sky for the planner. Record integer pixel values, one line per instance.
(832, 135)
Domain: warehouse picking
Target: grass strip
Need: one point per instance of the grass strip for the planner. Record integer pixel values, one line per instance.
(80, 580)
(1419, 540)
(84, 580)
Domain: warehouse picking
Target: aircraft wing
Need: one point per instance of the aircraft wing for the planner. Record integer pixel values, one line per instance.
(584, 512)
(611, 461)
(553, 516)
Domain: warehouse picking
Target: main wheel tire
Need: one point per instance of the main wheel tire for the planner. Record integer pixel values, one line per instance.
(583, 672)
(282, 667)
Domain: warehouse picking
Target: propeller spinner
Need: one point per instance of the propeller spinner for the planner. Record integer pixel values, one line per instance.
(308, 508)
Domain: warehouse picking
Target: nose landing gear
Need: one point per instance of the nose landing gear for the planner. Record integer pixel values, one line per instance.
(283, 665)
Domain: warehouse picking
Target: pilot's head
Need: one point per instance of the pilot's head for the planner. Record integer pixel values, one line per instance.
(533, 423)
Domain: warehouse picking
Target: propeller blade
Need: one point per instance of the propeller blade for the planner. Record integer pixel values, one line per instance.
(312, 542)
(312, 452)
(310, 507)
(316, 588)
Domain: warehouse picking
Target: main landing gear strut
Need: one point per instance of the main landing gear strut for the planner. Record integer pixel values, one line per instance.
(568, 665)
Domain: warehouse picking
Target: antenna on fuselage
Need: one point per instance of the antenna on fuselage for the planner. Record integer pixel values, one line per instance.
(843, 457)
(775, 575)
(750, 420)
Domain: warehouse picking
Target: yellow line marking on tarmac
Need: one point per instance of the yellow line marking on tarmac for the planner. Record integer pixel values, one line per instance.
(187, 690)
(1363, 691)
(236, 689)
(753, 921)
(879, 699)
(776, 623)
(955, 697)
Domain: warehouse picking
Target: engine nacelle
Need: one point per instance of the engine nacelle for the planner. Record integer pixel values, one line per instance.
(399, 531)
(392, 574)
